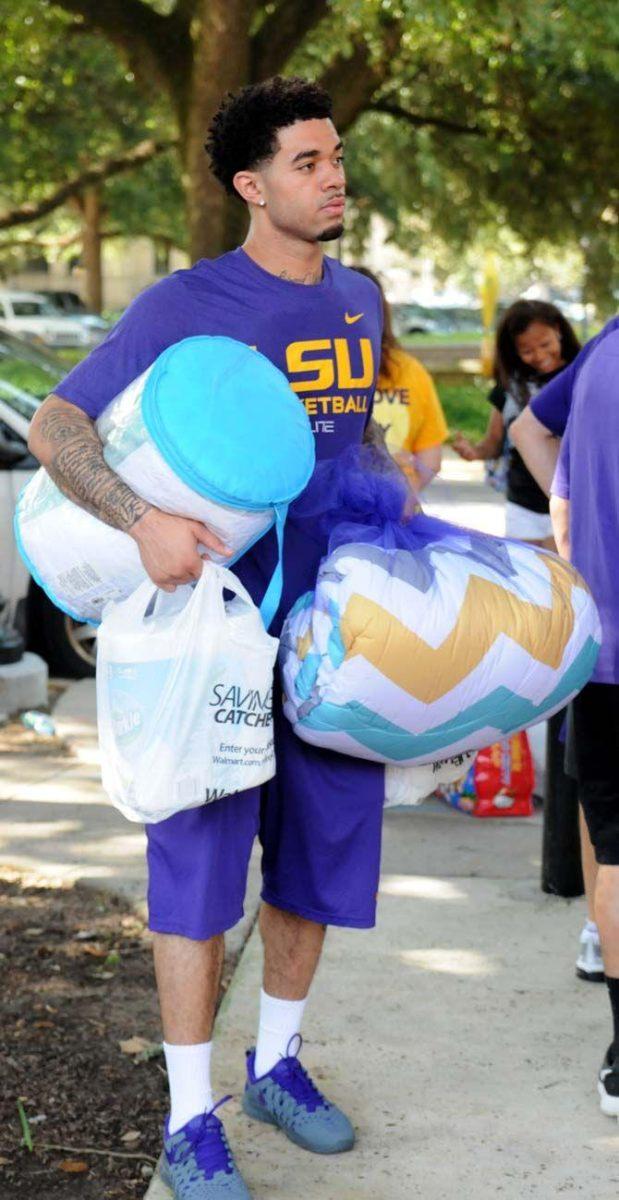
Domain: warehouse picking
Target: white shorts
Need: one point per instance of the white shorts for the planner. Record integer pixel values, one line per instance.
(525, 524)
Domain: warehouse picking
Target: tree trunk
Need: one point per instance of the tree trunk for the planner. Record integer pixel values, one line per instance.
(221, 63)
(87, 204)
(91, 247)
(203, 49)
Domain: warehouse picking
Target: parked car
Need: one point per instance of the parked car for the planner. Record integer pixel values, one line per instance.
(69, 304)
(33, 318)
(26, 378)
(452, 318)
(411, 318)
(416, 318)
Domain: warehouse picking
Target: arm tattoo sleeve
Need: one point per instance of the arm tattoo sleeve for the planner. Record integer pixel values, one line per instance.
(75, 461)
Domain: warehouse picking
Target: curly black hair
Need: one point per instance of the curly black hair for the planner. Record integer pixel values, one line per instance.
(509, 367)
(243, 131)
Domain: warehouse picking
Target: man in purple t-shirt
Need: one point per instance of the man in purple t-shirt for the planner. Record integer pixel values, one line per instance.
(585, 512)
(275, 146)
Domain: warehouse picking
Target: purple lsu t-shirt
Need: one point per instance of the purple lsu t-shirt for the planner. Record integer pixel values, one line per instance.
(587, 474)
(325, 338)
(552, 405)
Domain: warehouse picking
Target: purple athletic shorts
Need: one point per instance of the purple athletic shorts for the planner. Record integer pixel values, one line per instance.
(319, 822)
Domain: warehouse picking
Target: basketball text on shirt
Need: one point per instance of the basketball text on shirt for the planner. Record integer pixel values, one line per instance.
(321, 364)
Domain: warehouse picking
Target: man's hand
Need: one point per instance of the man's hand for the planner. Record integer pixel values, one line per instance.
(168, 547)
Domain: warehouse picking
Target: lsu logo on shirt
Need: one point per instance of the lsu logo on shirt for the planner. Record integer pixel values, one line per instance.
(340, 369)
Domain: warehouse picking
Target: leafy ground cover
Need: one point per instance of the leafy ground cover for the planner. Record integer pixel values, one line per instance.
(84, 1089)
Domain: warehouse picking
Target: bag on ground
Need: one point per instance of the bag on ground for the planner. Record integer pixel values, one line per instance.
(499, 783)
(184, 697)
(406, 787)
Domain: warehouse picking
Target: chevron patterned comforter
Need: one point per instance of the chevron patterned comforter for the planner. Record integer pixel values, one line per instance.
(410, 655)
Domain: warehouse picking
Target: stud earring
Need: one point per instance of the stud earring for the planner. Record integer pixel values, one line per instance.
(262, 203)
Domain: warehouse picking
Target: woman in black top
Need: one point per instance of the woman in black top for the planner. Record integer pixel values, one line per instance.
(533, 343)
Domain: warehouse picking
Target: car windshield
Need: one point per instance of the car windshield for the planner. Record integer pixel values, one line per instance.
(26, 375)
(32, 308)
(66, 302)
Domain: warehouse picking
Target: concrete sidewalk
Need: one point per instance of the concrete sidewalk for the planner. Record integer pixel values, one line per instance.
(461, 494)
(56, 821)
(455, 1035)
(54, 816)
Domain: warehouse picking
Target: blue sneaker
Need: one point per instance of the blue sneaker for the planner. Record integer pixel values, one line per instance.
(286, 1097)
(197, 1162)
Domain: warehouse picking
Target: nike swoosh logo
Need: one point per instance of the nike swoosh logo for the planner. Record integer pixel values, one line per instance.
(351, 320)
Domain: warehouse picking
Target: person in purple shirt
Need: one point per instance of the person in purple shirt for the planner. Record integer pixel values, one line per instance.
(585, 513)
(275, 147)
(536, 434)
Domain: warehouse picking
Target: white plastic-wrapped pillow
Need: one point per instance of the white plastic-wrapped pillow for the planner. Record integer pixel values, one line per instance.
(213, 431)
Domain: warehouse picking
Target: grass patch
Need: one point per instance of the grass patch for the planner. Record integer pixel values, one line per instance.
(70, 356)
(465, 406)
(458, 337)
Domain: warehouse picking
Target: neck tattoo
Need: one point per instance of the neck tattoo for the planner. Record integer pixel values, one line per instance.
(309, 278)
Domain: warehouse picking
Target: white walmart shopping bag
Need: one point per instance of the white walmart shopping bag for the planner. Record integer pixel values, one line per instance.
(184, 696)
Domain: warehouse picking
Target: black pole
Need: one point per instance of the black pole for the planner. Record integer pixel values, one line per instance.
(561, 866)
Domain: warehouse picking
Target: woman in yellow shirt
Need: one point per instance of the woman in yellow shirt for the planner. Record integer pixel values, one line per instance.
(406, 406)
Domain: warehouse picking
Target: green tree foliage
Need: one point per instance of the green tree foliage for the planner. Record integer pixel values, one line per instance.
(537, 89)
(149, 202)
(65, 98)
(464, 117)
(69, 105)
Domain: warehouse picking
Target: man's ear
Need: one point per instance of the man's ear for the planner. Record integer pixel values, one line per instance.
(247, 185)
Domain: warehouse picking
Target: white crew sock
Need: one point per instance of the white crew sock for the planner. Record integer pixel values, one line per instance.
(189, 1076)
(591, 927)
(280, 1020)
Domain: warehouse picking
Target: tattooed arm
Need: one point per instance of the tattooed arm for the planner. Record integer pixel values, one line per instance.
(66, 443)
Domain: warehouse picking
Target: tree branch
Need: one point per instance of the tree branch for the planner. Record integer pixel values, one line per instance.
(26, 243)
(419, 120)
(352, 80)
(63, 242)
(124, 21)
(156, 47)
(22, 214)
(281, 32)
